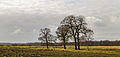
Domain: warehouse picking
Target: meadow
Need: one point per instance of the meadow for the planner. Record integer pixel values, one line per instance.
(58, 51)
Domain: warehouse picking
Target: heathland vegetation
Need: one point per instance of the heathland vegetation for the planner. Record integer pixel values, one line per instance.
(58, 51)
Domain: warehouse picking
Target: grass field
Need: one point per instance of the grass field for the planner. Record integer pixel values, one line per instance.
(41, 51)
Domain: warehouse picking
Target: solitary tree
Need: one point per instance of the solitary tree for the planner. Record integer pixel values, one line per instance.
(76, 26)
(45, 36)
(63, 34)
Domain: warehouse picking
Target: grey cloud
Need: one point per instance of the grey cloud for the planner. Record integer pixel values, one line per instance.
(45, 13)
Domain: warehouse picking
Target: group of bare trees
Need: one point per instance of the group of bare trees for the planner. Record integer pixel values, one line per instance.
(71, 27)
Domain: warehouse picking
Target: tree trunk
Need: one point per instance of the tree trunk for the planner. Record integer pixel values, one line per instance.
(64, 44)
(74, 38)
(78, 40)
(75, 43)
(78, 44)
(46, 42)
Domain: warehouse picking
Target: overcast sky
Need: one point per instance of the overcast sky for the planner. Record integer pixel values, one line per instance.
(21, 20)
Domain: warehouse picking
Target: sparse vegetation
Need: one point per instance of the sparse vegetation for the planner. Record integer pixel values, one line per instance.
(57, 51)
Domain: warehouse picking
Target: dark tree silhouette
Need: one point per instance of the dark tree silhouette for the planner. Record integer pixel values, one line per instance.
(80, 25)
(69, 21)
(76, 25)
(63, 34)
(46, 37)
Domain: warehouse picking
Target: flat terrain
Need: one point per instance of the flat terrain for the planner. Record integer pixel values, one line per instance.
(41, 51)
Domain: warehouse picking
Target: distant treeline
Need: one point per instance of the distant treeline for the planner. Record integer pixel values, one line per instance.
(98, 43)
(83, 43)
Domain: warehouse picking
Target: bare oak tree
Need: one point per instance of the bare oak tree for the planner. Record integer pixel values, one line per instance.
(80, 25)
(45, 36)
(69, 21)
(63, 34)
